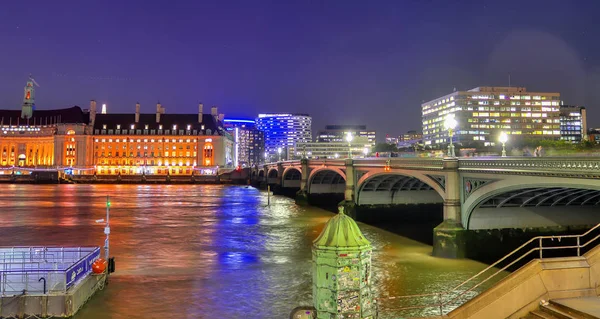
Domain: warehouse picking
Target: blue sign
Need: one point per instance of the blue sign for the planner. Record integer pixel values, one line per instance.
(82, 268)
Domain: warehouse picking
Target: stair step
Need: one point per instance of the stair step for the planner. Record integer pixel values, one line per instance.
(557, 312)
(540, 314)
(576, 312)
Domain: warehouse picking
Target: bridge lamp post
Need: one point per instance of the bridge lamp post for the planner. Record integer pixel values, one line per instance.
(503, 140)
(279, 152)
(349, 140)
(450, 123)
(336, 155)
(366, 152)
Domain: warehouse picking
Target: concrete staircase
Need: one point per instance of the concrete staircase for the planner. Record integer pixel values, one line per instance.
(568, 308)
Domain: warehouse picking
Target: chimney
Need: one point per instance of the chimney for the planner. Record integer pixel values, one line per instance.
(92, 112)
(221, 117)
(200, 109)
(214, 112)
(137, 112)
(158, 111)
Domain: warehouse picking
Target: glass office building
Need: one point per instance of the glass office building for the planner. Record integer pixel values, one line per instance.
(250, 143)
(573, 126)
(283, 131)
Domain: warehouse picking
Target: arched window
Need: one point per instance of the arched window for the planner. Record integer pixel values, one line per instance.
(208, 154)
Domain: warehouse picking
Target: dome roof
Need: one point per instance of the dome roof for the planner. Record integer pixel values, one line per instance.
(341, 231)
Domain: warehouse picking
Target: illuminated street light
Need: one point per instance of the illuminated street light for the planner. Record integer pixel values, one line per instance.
(349, 140)
(449, 124)
(366, 151)
(503, 140)
(279, 152)
(336, 155)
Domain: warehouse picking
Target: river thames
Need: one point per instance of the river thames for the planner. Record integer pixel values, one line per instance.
(207, 251)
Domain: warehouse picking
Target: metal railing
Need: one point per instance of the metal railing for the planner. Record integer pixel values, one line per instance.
(444, 302)
(39, 269)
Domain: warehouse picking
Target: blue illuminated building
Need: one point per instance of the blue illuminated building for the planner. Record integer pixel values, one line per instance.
(283, 131)
(250, 143)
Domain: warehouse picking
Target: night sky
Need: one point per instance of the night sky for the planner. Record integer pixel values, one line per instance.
(343, 62)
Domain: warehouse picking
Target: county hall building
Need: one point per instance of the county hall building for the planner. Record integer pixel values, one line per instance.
(84, 142)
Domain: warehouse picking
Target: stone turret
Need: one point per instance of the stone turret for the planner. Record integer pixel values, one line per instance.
(342, 271)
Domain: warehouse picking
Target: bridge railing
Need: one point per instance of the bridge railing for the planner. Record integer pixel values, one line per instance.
(583, 164)
(441, 303)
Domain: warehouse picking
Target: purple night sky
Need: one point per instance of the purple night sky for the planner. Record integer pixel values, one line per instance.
(343, 62)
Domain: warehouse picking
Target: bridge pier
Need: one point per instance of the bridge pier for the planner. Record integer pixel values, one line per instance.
(302, 195)
(449, 237)
(349, 204)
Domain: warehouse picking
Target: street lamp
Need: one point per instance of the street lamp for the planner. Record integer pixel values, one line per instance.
(279, 152)
(503, 140)
(336, 155)
(366, 151)
(349, 140)
(450, 124)
(266, 156)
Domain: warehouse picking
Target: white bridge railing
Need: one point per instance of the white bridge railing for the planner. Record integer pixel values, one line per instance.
(584, 165)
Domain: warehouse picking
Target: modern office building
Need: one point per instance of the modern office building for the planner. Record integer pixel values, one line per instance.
(484, 112)
(85, 142)
(410, 136)
(573, 125)
(358, 147)
(283, 131)
(250, 142)
(337, 133)
(391, 140)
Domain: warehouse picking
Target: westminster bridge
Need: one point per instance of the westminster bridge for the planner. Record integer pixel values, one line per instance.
(476, 193)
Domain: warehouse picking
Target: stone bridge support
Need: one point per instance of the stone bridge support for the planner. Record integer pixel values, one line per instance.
(349, 202)
(302, 195)
(449, 238)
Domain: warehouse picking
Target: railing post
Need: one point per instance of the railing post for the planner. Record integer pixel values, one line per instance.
(540, 247)
(441, 304)
(578, 246)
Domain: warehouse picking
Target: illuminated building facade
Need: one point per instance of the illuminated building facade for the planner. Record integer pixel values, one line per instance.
(283, 131)
(337, 133)
(161, 144)
(85, 143)
(250, 142)
(41, 139)
(333, 150)
(573, 127)
(484, 112)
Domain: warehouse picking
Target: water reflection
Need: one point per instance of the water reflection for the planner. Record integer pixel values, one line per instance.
(207, 251)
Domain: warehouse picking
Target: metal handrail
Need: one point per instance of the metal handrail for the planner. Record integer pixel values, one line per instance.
(458, 294)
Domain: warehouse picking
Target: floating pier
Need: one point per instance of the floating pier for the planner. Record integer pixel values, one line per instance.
(47, 281)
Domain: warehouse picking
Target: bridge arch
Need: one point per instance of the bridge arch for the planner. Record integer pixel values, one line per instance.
(326, 180)
(292, 177)
(529, 201)
(261, 173)
(398, 187)
(272, 173)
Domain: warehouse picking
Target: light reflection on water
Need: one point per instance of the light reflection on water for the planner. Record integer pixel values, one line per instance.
(207, 251)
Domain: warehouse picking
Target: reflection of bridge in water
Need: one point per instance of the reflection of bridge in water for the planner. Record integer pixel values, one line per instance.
(476, 193)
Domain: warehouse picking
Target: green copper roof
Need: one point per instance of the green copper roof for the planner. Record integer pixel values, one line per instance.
(341, 231)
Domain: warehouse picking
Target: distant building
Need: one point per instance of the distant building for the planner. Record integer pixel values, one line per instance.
(391, 140)
(573, 125)
(484, 112)
(87, 143)
(337, 133)
(359, 147)
(250, 142)
(593, 135)
(410, 136)
(283, 131)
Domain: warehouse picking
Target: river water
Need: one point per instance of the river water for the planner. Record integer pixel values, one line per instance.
(208, 251)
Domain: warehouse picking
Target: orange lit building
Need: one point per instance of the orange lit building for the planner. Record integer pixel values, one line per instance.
(82, 142)
(161, 144)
